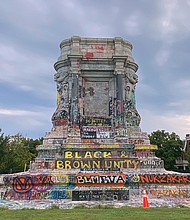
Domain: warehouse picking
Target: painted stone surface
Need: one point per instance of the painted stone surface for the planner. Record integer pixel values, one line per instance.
(95, 150)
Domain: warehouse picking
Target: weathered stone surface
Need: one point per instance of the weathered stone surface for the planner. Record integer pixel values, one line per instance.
(96, 150)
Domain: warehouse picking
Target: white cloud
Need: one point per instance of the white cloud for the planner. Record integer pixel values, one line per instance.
(14, 112)
(30, 29)
(32, 123)
(20, 112)
(153, 121)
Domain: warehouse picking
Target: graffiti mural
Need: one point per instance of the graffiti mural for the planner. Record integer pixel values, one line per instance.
(165, 178)
(95, 150)
(100, 195)
(100, 179)
(97, 164)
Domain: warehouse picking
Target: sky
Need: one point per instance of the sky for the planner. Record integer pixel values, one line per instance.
(31, 32)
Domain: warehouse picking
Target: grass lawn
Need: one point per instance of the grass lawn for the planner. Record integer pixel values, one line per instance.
(97, 214)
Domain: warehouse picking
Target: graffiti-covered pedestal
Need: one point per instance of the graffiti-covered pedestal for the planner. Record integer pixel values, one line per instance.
(96, 150)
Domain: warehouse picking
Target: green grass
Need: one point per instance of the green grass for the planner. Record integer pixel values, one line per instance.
(101, 213)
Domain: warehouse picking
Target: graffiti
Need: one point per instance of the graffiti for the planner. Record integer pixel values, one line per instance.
(119, 107)
(97, 48)
(75, 140)
(121, 132)
(134, 178)
(110, 106)
(96, 134)
(88, 55)
(96, 121)
(146, 147)
(62, 179)
(87, 154)
(89, 90)
(100, 195)
(128, 146)
(144, 153)
(88, 141)
(98, 170)
(42, 183)
(42, 164)
(1, 179)
(182, 193)
(60, 194)
(97, 129)
(136, 141)
(74, 132)
(60, 122)
(100, 180)
(94, 145)
(95, 154)
(96, 51)
(46, 147)
(128, 104)
(134, 193)
(104, 134)
(152, 163)
(88, 134)
(165, 178)
(81, 106)
(97, 164)
(8, 180)
(22, 184)
(63, 114)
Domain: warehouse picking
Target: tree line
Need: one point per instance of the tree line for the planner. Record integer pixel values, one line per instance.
(17, 151)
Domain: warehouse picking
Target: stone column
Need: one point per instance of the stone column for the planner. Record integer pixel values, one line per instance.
(61, 78)
(132, 117)
(75, 60)
(74, 73)
(119, 75)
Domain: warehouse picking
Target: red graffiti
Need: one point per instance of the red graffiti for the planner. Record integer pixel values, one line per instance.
(99, 48)
(61, 122)
(42, 183)
(165, 178)
(169, 192)
(89, 55)
(22, 184)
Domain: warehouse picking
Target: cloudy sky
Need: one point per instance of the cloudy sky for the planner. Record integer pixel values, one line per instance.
(30, 34)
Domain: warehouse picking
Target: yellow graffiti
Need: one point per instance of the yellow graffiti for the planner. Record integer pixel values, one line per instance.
(146, 147)
(60, 178)
(87, 154)
(58, 98)
(169, 192)
(96, 164)
(79, 145)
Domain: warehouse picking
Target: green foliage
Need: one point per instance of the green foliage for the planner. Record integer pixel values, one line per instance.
(3, 145)
(187, 157)
(169, 147)
(16, 152)
(32, 144)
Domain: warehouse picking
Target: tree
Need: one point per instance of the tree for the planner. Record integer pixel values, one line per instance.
(31, 143)
(3, 145)
(169, 147)
(187, 157)
(16, 152)
(17, 155)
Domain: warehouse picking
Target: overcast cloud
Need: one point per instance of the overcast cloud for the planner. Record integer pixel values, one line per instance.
(32, 30)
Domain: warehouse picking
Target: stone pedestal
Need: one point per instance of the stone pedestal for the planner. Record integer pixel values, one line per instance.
(96, 150)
